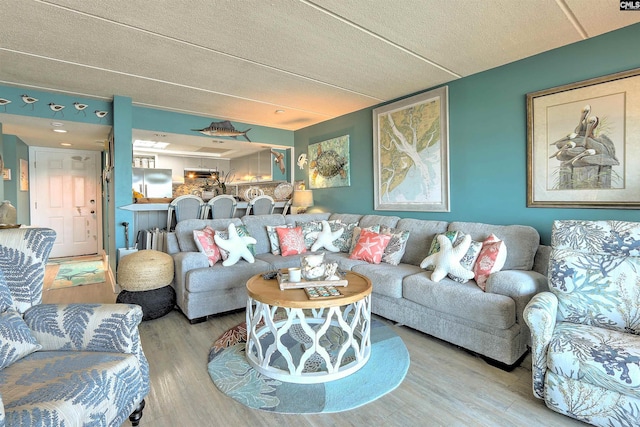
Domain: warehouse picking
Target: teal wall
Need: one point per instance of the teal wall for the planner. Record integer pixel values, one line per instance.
(14, 149)
(121, 174)
(41, 107)
(487, 138)
(172, 122)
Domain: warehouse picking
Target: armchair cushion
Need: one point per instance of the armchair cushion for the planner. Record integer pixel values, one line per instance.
(593, 270)
(23, 255)
(6, 300)
(16, 340)
(87, 327)
(598, 356)
(59, 388)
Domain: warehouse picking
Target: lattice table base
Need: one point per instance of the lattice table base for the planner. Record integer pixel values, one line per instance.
(308, 345)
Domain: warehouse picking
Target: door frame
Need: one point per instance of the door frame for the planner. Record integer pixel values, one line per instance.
(34, 185)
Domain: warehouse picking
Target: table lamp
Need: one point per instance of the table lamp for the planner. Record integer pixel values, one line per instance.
(302, 199)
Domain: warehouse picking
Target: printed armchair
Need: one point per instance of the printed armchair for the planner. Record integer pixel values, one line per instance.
(586, 348)
(63, 365)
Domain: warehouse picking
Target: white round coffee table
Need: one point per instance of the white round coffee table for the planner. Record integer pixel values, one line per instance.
(334, 334)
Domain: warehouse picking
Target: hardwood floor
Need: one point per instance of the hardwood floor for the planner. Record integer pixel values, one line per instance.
(445, 386)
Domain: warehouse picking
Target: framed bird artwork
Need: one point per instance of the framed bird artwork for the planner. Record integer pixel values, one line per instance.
(583, 143)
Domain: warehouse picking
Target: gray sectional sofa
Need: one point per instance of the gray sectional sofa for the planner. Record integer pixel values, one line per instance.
(488, 323)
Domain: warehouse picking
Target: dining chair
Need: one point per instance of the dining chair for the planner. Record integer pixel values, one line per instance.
(261, 205)
(184, 207)
(287, 206)
(222, 206)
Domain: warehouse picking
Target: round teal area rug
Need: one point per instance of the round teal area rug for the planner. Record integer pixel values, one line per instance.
(233, 375)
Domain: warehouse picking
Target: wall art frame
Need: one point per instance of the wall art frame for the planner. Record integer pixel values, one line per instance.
(329, 163)
(411, 153)
(24, 175)
(583, 139)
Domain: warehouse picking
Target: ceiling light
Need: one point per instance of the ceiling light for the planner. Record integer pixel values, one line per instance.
(65, 144)
(60, 130)
(57, 124)
(150, 144)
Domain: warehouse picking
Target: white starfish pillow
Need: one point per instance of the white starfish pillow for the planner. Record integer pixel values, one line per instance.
(447, 260)
(236, 246)
(326, 238)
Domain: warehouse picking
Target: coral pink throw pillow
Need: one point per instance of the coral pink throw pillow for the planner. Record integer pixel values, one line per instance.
(370, 246)
(491, 259)
(291, 241)
(206, 244)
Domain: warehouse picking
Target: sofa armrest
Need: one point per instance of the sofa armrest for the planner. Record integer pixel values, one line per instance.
(521, 285)
(86, 327)
(172, 243)
(540, 314)
(185, 262)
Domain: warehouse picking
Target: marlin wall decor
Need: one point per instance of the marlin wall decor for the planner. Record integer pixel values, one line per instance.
(224, 128)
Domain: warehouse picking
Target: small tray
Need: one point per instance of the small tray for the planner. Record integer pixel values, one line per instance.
(323, 292)
(283, 281)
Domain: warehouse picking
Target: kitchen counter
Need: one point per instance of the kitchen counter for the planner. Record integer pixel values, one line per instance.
(142, 207)
(148, 216)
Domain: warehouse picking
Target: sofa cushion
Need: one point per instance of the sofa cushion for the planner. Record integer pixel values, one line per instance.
(602, 357)
(356, 235)
(184, 230)
(371, 220)
(277, 262)
(256, 225)
(206, 244)
(311, 230)
(345, 218)
(490, 259)
(370, 246)
(236, 244)
(16, 340)
(447, 260)
(274, 240)
(397, 245)
(469, 259)
(386, 278)
(421, 234)
(306, 217)
(291, 241)
(344, 262)
(242, 231)
(521, 240)
(71, 389)
(464, 300)
(434, 248)
(218, 277)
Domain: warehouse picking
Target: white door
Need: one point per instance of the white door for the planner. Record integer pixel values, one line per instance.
(65, 197)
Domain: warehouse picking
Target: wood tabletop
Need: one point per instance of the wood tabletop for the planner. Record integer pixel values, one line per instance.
(268, 292)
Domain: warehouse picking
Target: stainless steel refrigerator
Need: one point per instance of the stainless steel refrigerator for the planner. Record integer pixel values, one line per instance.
(152, 182)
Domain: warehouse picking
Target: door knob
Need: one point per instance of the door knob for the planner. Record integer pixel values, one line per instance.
(93, 211)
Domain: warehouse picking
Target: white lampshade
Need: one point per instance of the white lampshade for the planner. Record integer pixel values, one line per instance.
(302, 198)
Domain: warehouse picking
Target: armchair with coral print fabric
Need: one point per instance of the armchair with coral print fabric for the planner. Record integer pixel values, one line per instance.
(63, 365)
(585, 332)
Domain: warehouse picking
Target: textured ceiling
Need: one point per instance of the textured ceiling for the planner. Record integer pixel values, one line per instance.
(243, 60)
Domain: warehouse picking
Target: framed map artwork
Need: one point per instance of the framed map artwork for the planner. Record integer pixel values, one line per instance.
(329, 163)
(411, 153)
